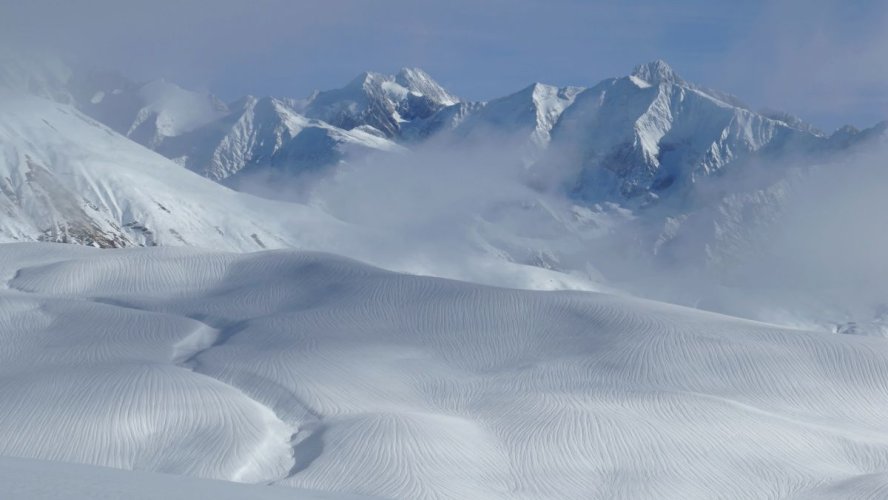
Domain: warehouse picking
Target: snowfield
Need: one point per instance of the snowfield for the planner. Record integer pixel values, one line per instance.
(24, 479)
(314, 371)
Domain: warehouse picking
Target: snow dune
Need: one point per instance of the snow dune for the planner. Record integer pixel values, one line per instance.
(314, 371)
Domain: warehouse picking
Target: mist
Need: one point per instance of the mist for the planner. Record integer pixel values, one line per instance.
(449, 206)
(827, 245)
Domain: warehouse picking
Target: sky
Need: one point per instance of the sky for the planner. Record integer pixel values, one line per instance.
(822, 60)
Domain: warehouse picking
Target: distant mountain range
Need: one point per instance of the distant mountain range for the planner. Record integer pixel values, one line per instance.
(635, 137)
(650, 167)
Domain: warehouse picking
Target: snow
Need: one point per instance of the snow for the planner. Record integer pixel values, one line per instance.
(177, 110)
(309, 370)
(148, 113)
(258, 132)
(533, 111)
(68, 178)
(385, 102)
(314, 371)
(25, 479)
(639, 82)
(656, 152)
(421, 83)
(653, 132)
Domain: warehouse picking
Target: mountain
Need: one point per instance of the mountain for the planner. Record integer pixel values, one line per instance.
(649, 134)
(263, 135)
(268, 133)
(65, 177)
(312, 371)
(386, 103)
(639, 179)
(640, 137)
(528, 115)
(652, 133)
(146, 113)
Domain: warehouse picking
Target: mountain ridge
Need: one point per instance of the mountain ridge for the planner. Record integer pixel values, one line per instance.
(651, 134)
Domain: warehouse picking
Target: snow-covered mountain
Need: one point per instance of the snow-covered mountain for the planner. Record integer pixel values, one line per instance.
(528, 115)
(650, 168)
(199, 131)
(65, 177)
(384, 102)
(652, 132)
(646, 135)
(268, 134)
(146, 113)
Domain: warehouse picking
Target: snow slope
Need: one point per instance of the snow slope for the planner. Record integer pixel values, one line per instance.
(314, 371)
(529, 114)
(204, 134)
(65, 177)
(384, 102)
(652, 131)
(24, 479)
(268, 134)
(147, 113)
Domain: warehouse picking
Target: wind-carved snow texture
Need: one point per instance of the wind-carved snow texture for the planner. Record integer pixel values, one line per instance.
(25, 479)
(314, 371)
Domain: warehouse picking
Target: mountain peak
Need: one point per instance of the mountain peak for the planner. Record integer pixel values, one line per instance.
(407, 73)
(417, 80)
(362, 79)
(656, 72)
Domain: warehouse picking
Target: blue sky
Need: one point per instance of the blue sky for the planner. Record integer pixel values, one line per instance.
(823, 60)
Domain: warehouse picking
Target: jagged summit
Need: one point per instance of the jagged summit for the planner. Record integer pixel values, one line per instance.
(409, 74)
(656, 72)
(406, 80)
(418, 81)
(648, 131)
(384, 102)
(362, 79)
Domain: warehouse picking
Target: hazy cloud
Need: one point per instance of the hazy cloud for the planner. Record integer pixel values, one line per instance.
(821, 59)
(759, 50)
